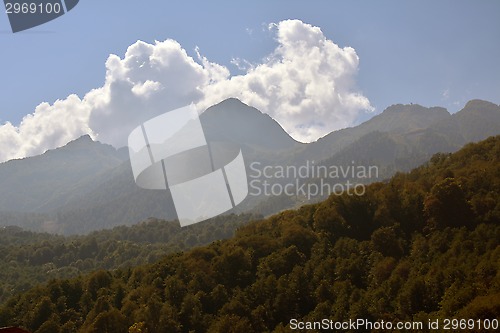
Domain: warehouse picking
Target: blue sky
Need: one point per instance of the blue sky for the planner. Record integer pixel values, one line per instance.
(428, 52)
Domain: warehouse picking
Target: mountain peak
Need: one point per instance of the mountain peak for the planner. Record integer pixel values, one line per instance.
(84, 138)
(83, 142)
(233, 105)
(402, 118)
(403, 108)
(236, 121)
(231, 101)
(478, 104)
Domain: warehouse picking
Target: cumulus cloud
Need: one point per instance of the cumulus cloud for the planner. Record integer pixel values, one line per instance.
(148, 81)
(307, 84)
(48, 127)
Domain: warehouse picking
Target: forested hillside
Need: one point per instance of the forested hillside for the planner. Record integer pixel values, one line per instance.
(425, 244)
(29, 258)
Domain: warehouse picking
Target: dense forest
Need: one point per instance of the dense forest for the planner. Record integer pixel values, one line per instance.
(422, 245)
(28, 258)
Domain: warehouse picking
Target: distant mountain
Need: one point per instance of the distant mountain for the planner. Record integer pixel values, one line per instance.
(477, 120)
(398, 119)
(110, 197)
(405, 136)
(87, 185)
(121, 201)
(232, 120)
(45, 182)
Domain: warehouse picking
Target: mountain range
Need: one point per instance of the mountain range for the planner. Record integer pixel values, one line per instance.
(421, 247)
(87, 185)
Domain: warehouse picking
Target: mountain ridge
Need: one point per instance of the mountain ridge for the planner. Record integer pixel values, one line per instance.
(60, 168)
(86, 185)
(238, 113)
(397, 118)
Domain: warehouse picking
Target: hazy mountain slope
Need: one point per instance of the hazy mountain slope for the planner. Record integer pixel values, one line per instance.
(232, 120)
(86, 186)
(477, 120)
(122, 202)
(403, 148)
(399, 119)
(381, 149)
(47, 181)
(392, 152)
(110, 196)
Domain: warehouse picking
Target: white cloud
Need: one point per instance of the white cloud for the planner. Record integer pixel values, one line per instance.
(148, 81)
(307, 84)
(445, 95)
(48, 127)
